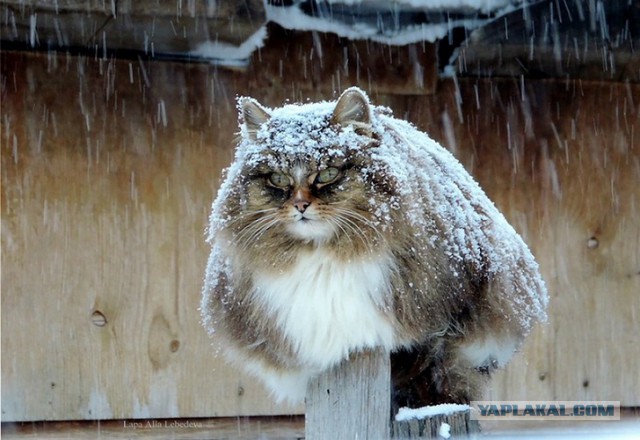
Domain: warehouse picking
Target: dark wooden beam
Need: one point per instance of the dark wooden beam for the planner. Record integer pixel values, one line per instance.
(146, 26)
(325, 62)
(587, 40)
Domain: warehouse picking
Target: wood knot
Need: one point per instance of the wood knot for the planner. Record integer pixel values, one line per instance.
(98, 319)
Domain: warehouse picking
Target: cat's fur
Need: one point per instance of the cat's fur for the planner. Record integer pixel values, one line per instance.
(339, 228)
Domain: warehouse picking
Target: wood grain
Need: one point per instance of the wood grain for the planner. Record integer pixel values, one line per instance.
(297, 64)
(148, 27)
(239, 428)
(108, 172)
(561, 160)
(104, 205)
(351, 400)
(460, 426)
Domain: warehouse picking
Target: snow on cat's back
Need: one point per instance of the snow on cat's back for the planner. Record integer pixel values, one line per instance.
(340, 228)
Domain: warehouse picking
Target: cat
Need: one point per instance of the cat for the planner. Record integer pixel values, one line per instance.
(339, 228)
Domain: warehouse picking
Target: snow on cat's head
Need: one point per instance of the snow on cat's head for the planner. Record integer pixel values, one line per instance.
(304, 173)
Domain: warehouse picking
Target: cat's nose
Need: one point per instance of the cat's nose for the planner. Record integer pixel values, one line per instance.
(301, 205)
(301, 199)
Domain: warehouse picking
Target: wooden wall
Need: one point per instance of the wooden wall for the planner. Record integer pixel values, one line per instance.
(561, 159)
(108, 172)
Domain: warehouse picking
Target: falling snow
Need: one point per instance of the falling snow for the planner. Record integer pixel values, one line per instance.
(427, 176)
(349, 26)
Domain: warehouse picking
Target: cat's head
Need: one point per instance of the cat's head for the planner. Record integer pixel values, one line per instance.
(305, 175)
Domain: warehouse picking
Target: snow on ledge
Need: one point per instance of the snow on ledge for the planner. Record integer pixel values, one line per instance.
(444, 409)
(360, 27)
(356, 20)
(229, 55)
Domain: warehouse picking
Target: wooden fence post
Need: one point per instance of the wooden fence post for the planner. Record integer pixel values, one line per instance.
(457, 424)
(352, 400)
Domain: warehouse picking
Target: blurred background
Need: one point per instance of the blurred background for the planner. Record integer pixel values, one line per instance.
(118, 118)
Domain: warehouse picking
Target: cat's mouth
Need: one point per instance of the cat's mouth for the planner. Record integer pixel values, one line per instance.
(304, 217)
(310, 229)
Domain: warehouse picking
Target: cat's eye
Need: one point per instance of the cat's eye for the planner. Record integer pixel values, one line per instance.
(279, 180)
(327, 175)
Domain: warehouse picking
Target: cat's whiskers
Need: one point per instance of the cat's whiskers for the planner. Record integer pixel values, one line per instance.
(256, 234)
(351, 222)
(355, 216)
(248, 224)
(241, 217)
(346, 226)
(255, 229)
(260, 232)
(337, 223)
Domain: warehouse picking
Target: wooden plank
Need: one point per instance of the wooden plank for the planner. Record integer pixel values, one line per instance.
(351, 400)
(180, 28)
(458, 425)
(149, 27)
(301, 62)
(278, 428)
(560, 160)
(239, 428)
(37, 24)
(108, 172)
(90, 6)
(580, 40)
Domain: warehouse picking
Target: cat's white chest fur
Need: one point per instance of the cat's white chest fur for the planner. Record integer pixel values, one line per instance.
(327, 307)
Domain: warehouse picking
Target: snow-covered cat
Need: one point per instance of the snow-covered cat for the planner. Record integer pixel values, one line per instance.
(339, 228)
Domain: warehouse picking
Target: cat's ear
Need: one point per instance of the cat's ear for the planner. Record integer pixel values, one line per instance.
(252, 116)
(353, 109)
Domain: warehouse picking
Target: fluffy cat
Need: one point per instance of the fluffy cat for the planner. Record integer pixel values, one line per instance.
(339, 228)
